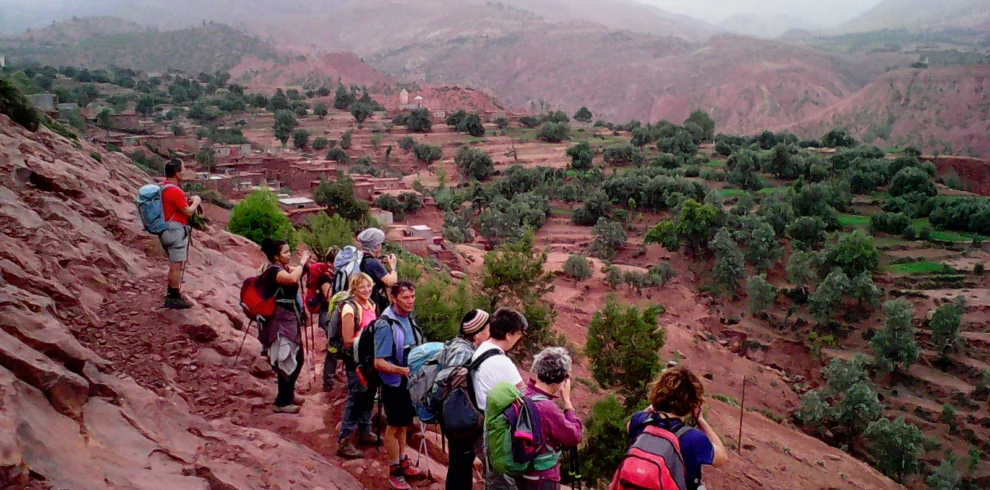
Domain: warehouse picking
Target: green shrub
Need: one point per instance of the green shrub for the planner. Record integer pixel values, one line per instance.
(577, 267)
(325, 232)
(979, 269)
(440, 305)
(14, 105)
(925, 234)
(258, 217)
(623, 346)
(605, 440)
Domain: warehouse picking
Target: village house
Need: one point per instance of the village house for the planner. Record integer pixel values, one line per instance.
(127, 121)
(299, 209)
(43, 102)
(385, 218)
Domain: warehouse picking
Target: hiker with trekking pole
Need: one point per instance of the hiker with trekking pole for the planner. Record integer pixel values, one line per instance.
(281, 334)
(165, 211)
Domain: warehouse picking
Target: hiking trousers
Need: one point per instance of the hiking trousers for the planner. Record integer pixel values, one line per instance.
(460, 469)
(357, 410)
(287, 383)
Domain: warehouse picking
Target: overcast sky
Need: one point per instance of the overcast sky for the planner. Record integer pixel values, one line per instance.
(823, 13)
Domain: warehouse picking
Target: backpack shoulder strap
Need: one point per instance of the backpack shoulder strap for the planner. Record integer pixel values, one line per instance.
(475, 364)
(162, 191)
(683, 430)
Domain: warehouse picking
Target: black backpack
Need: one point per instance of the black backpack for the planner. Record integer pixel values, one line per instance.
(456, 406)
(366, 347)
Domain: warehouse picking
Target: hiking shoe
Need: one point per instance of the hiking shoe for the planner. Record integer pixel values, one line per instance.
(408, 470)
(369, 440)
(347, 450)
(287, 409)
(179, 303)
(397, 482)
(298, 400)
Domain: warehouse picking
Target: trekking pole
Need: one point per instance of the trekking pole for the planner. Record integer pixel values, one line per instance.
(182, 273)
(381, 421)
(244, 339)
(742, 410)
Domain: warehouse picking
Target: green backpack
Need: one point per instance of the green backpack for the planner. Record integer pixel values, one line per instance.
(514, 439)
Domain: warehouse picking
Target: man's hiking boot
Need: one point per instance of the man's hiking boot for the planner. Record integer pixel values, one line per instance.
(178, 303)
(395, 479)
(408, 470)
(346, 449)
(288, 409)
(369, 440)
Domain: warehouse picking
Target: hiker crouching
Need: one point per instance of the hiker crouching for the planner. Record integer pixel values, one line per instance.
(175, 239)
(561, 428)
(281, 336)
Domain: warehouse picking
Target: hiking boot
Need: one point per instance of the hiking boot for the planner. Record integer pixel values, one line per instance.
(347, 450)
(298, 400)
(408, 470)
(396, 480)
(369, 440)
(178, 303)
(327, 387)
(288, 409)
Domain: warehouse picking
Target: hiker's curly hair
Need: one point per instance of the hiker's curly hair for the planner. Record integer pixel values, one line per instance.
(677, 391)
(552, 365)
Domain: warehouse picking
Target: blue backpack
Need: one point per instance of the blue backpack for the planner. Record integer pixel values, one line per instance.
(424, 365)
(150, 208)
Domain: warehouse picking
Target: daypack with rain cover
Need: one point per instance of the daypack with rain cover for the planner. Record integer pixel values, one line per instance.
(654, 462)
(150, 208)
(424, 364)
(514, 439)
(347, 263)
(335, 339)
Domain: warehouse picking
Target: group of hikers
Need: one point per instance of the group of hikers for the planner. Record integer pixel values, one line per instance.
(468, 386)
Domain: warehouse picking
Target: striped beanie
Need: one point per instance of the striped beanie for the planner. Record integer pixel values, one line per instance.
(473, 322)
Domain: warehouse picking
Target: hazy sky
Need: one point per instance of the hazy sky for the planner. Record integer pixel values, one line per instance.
(823, 13)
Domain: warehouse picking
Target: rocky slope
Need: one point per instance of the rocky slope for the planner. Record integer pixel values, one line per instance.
(94, 392)
(942, 109)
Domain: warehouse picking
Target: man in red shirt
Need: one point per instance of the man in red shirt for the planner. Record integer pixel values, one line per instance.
(175, 238)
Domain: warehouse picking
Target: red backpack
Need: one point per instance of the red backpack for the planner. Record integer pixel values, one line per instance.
(314, 297)
(256, 300)
(654, 462)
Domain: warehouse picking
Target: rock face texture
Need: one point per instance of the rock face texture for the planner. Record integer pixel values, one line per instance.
(98, 388)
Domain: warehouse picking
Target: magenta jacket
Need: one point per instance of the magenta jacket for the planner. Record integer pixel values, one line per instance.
(562, 429)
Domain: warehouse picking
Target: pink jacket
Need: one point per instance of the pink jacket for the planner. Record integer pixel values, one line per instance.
(562, 429)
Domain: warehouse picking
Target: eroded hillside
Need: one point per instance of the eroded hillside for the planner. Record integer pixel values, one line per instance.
(78, 277)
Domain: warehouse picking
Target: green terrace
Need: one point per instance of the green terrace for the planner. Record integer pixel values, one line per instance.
(854, 221)
(921, 267)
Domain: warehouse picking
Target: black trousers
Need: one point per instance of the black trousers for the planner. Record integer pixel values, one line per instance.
(287, 384)
(329, 368)
(460, 469)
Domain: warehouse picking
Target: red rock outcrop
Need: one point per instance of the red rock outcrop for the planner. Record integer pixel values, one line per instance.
(78, 407)
(975, 173)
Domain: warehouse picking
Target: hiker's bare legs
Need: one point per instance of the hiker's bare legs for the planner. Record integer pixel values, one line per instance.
(395, 443)
(175, 274)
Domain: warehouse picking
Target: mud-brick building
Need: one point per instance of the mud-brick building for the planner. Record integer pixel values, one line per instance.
(127, 121)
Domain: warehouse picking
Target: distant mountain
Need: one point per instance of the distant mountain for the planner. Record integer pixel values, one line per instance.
(20, 15)
(921, 14)
(765, 26)
(941, 109)
(103, 42)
